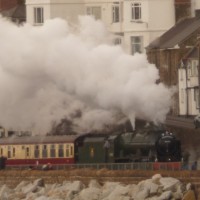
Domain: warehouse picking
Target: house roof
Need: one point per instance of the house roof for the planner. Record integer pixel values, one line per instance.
(178, 33)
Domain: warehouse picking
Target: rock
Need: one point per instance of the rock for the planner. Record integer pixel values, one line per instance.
(156, 178)
(165, 195)
(156, 188)
(39, 182)
(29, 188)
(188, 186)
(90, 193)
(169, 183)
(150, 185)
(142, 194)
(21, 185)
(189, 195)
(94, 184)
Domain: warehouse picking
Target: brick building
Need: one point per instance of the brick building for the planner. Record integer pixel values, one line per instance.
(8, 4)
(14, 10)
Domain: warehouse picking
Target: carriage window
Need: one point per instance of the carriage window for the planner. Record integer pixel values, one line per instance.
(27, 152)
(36, 151)
(71, 150)
(67, 151)
(44, 151)
(9, 151)
(60, 151)
(52, 151)
(13, 151)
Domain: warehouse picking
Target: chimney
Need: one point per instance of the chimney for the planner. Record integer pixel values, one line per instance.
(197, 13)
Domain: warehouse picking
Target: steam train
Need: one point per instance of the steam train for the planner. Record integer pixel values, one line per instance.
(145, 145)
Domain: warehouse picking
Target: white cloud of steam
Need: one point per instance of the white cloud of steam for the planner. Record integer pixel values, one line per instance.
(49, 72)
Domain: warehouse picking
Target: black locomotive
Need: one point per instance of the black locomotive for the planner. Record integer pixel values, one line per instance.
(144, 145)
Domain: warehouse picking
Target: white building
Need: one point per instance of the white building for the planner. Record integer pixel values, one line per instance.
(134, 22)
(189, 103)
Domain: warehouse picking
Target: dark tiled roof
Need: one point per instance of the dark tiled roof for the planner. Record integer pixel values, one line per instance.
(176, 34)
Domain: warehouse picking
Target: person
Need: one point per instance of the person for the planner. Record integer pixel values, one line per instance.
(194, 165)
(36, 164)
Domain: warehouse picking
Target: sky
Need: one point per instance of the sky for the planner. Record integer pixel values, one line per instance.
(55, 71)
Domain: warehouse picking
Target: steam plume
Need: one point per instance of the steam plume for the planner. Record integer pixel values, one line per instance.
(49, 72)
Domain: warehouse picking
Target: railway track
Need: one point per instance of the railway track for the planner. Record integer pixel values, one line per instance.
(181, 122)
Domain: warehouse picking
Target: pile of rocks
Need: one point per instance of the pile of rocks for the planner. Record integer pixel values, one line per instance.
(156, 188)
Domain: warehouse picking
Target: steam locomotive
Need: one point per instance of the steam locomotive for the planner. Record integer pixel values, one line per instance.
(144, 145)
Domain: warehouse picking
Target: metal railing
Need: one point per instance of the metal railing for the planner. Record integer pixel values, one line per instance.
(111, 166)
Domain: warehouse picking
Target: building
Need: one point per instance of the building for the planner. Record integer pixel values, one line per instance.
(135, 23)
(13, 10)
(167, 52)
(6, 5)
(189, 102)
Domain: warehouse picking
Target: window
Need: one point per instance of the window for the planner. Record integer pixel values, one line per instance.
(136, 44)
(27, 152)
(136, 11)
(36, 151)
(13, 152)
(71, 151)
(38, 16)
(44, 151)
(194, 68)
(115, 13)
(67, 150)
(9, 151)
(117, 41)
(60, 151)
(95, 11)
(52, 151)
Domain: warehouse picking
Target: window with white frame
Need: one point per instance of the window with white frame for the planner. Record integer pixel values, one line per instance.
(136, 44)
(194, 67)
(136, 11)
(38, 15)
(94, 11)
(115, 13)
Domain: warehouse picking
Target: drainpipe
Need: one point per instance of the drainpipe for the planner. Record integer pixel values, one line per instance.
(198, 38)
(187, 98)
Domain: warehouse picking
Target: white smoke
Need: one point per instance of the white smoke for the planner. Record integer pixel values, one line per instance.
(49, 72)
